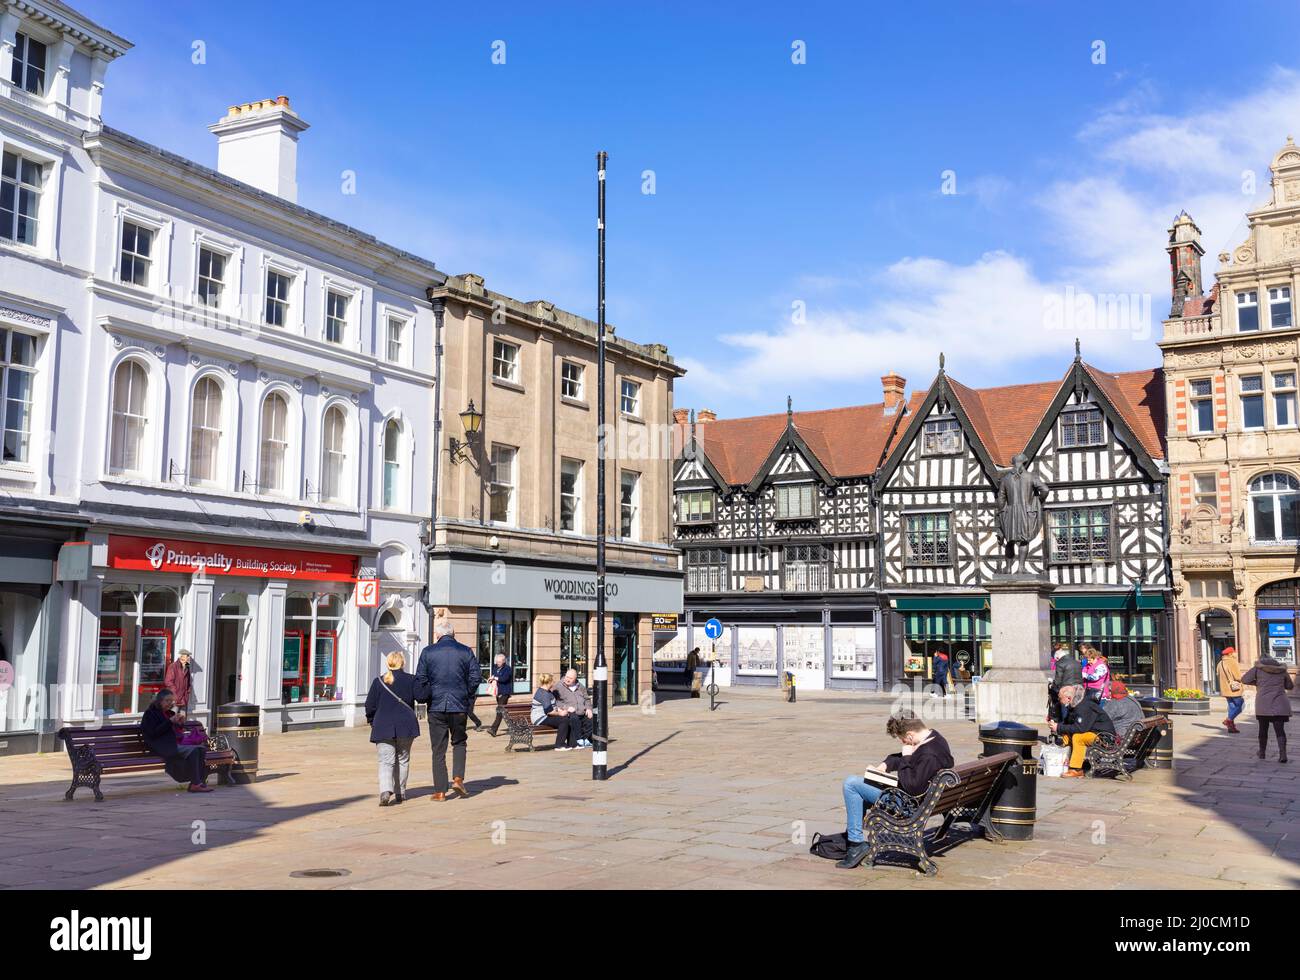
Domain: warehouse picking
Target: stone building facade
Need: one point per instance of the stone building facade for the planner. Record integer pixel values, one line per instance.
(1231, 360)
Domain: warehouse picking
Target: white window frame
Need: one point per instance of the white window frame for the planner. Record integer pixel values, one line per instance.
(330, 317)
(1199, 495)
(514, 363)
(801, 492)
(149, 444)
(355, 314)
(575, 497)
(401, 495)
(511, 486)
(1275, 301)
(634, 529)
(225, 441)
(402, 321)
(1260, 394)
(10, 225)
(1193, 404)
(580, 383)
(635, 411)
(46, 215)
(26, 63)
(1248, 299)
(289, 465)
(33, 372)
(950, 423)
(296, 302)
(160, 250)
(347, 480)
(1276, 493)
(686, 514)
(1284, 392)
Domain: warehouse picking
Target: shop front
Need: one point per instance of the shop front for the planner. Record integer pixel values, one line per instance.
(825, 648)
(957, 625)
(30, 598)
(541, 616)
(277, 627)
(1129, 628)
(1277, 608)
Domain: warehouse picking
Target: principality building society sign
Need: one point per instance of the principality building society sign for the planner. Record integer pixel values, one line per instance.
(455, 582)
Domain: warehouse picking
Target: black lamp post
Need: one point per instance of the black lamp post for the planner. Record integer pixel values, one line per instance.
(600, 676)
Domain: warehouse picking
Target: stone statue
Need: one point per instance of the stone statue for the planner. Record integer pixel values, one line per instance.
(1020, 507)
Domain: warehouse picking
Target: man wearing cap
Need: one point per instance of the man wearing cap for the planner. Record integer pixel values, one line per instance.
(1125, 711)
(1230, 686)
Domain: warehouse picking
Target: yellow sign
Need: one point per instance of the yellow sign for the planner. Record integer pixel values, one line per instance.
(663, 622)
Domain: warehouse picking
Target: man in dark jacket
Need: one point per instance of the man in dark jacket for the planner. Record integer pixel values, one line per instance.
(504, 675)
(925, 753)
(452, 674)
(1082, 720)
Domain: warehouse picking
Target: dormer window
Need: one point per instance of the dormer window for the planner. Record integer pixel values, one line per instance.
(941, 437)
(1083, 426)
(28, 72)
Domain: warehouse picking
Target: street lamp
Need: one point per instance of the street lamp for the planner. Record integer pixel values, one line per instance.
(600, 676)
(472, 420)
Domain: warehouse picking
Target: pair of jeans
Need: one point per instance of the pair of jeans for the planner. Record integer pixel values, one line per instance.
(858, 795)
(566, 730)
(394, 764)
(1235, 706)
(502, 701)
(444, 725)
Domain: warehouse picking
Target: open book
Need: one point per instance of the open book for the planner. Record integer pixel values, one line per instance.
(885, 779)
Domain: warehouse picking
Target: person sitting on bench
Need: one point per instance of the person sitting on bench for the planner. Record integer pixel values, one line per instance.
(924, 753)
(184, 763)
(1125, 710)
(1082, 720)
(547, 710)
(573, 698)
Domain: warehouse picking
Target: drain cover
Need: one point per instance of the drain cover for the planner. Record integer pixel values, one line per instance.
(320, 873)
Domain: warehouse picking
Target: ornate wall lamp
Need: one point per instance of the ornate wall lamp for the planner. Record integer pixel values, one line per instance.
(472, 420)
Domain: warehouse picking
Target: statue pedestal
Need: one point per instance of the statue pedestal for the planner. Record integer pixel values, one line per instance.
(1014, 688)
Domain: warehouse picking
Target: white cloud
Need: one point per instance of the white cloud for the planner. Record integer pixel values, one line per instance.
(1106, 222)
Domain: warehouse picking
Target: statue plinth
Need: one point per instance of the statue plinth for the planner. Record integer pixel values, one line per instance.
(1014, 688)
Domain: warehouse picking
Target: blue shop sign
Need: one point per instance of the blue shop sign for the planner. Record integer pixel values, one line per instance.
(1281, 629)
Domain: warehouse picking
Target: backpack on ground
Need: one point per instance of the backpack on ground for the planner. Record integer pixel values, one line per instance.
(830, 846)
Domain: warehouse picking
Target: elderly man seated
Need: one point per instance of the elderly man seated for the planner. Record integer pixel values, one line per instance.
(1082, 720)
(572, 697)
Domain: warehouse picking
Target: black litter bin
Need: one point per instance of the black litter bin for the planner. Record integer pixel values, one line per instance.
(1015, 809)
(1162, 756)
(241, 724)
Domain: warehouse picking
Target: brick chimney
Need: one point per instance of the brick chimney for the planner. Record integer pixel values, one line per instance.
(257, 143)
(705, 415)
(895, 388)
(681, 415)
(1185, 253)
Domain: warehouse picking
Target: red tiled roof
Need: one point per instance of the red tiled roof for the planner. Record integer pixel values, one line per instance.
(847, 441)
(851, 441)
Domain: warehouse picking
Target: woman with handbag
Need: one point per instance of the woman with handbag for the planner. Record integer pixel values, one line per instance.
(500, 685)
(1230, 687)
(158, 727)
(390, 711)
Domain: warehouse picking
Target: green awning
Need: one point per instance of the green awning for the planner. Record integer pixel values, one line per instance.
(958, 603)
(1109, 601)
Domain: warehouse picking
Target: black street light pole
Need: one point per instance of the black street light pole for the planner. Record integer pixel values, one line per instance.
(600, 677)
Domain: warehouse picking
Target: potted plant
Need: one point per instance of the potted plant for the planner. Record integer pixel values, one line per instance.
(1187, 701)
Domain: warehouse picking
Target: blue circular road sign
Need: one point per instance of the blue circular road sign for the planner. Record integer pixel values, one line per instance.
(713, 629)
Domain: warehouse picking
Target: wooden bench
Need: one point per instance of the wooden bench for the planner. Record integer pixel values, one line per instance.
(1124, 755)
(520, 728)
(114, 749)
(896, 822)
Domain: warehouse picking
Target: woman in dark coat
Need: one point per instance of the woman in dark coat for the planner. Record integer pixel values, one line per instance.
(1272, 706)
(184, 763)
(390, 710)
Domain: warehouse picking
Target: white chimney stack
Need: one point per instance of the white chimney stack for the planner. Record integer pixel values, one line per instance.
(257, 143)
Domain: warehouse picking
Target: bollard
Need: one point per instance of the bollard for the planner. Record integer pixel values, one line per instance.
(240, 722)
(1162, 756)
(1016, 808)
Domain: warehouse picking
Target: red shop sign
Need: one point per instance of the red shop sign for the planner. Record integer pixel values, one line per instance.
(171, 555)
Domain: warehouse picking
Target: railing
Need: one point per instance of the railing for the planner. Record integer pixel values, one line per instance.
(805, 576)
(1193, 327)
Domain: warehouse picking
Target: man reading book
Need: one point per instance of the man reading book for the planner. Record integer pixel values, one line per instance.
(924, 753)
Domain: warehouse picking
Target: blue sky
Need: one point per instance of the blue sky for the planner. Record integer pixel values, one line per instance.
(799, 239)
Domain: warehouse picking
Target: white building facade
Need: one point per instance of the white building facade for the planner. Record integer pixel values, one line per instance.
(217, 409)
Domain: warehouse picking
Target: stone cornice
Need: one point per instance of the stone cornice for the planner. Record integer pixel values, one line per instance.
(81, 31)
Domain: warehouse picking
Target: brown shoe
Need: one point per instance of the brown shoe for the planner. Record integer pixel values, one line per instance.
(438, 797)
(458, 787)
(1072, 774)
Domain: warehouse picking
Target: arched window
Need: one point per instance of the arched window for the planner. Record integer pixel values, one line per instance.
(1274, 498)
(334, 455)
(205, 432)
(127, 442)
(389, 619)
(392, 464)
(274, 444)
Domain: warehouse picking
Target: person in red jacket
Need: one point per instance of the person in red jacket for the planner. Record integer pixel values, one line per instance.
(177, 680)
